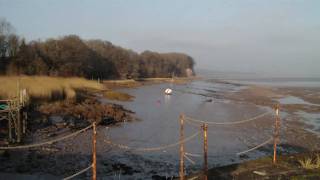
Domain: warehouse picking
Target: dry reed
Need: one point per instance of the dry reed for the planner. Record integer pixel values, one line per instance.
(44, 86)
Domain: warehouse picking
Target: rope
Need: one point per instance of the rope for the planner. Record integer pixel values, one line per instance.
(190, 160)
(193, 124)
(227, 123)
(78, 173)
(121, 146)
(314, 132)
(256, 147)
(47, 142)
(193, 155)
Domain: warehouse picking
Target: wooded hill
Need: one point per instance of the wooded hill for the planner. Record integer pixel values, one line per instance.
(72, 56)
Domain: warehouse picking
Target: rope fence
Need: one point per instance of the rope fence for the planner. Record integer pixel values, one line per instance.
(78, 173)
(256, 147)
(181, 142)
(227, 123)
(160, 148)
(47, 142)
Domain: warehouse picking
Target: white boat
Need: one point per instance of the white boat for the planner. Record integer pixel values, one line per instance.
(168, 91)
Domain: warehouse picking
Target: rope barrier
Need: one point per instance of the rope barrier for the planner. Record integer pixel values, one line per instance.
(314, 132)
(256, 147)
(121, 146)
(226, 123)
(78, 173)
(47, 142)
(190, 160)
(193, 155)
(194, 124)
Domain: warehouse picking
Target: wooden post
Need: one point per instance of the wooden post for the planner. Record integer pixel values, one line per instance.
(181, 171)
(205, 150)
(18, 123)
(10, 127)
(24, 122)
(276, 134)
(94, 155)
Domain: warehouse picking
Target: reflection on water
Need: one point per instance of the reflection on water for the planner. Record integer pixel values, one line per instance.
(159, 125)
(167, 99)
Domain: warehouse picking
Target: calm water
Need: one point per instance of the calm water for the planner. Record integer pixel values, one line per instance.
(159, 125)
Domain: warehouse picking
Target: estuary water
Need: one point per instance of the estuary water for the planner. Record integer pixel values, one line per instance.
(158, 126)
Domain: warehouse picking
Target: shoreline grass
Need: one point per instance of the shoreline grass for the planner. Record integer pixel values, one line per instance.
(45, 87)
(117, 96)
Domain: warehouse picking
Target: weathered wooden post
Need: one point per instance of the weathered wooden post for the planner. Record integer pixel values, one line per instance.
(205, 150)
(24, 122)
(181, 171)
(18, 118)
(10, 126)
(94, 151)
(276, 134)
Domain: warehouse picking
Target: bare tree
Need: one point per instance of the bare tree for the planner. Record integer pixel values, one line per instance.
(6, 30)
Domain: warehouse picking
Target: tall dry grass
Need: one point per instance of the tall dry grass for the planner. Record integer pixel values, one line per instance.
(44, 86)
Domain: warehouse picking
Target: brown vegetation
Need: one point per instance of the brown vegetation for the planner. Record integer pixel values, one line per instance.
(89, 109)
(44, 86)
(118, 96)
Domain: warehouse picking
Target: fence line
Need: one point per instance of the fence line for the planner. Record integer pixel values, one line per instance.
(121, 146)
(192, 155)
(189, 159)
(227, 123)
(314, 132)
(47, 142)
(78, 173)
(181, 141)
(256, 147)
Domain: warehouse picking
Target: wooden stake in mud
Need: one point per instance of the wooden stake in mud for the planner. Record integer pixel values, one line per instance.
(205, 150)
(18, 124)
(18, 119)
(24, 122)
(181, 171)
(94, 155)
(276, 134)
(10, 127)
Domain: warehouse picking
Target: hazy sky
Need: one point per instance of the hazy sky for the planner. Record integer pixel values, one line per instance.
(269, 36)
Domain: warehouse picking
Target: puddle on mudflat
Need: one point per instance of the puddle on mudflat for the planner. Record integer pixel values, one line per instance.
(294, 100)
(312, 119)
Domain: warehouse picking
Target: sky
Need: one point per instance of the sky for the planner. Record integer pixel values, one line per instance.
(271, 37)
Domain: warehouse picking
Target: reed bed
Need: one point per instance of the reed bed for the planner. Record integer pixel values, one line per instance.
(44, 86)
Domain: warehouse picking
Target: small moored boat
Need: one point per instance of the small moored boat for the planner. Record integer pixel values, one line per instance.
(168, 91)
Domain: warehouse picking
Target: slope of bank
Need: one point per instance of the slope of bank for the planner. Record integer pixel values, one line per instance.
(287, 167)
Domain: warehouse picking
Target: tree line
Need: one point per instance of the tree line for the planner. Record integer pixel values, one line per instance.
(72, 56)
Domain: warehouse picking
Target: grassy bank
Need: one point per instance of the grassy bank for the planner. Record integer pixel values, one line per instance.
(44, 86)
(294, 166)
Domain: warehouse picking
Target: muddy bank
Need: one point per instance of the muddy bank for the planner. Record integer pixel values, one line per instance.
(269, 96)
(48, 120)
(118, 84)
(89, 110)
